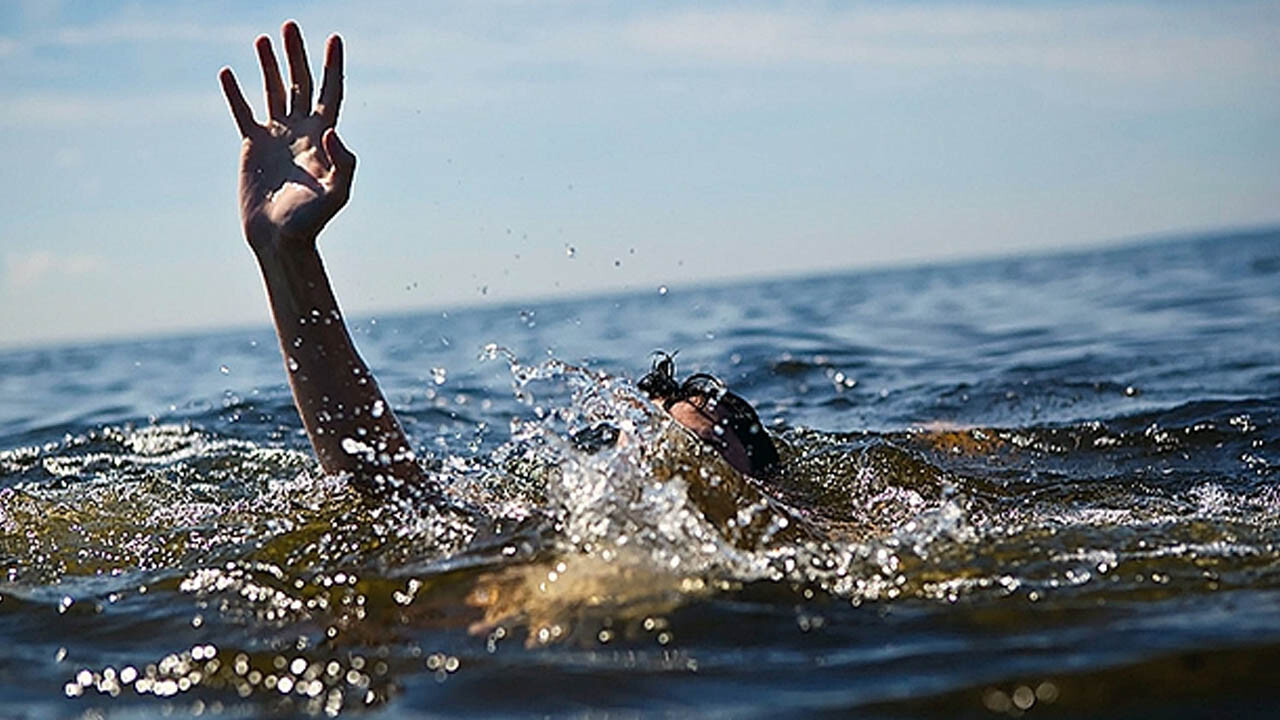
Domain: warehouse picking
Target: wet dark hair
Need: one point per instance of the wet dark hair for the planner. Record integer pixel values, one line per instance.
(660, 382)
(660, 385)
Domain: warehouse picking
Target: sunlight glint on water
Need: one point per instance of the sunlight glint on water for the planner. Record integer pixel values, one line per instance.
(987, 469)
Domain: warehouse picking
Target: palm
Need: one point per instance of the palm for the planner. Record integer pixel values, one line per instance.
(294, 172)
(283, 179)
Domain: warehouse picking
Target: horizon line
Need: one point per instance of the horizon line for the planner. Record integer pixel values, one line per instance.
(728, 281)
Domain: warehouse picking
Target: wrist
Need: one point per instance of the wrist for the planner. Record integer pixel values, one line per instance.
(272, 243)
(295, 278)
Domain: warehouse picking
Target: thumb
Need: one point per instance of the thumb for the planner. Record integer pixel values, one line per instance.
(344, 161)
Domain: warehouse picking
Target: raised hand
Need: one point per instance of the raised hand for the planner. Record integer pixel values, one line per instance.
(295, 174)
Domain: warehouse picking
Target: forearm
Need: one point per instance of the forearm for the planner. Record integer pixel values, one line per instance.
(346, 416)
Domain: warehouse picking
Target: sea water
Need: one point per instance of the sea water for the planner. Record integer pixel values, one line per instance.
(1042, 485)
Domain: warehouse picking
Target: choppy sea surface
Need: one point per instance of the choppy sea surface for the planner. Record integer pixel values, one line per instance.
(1043, 486)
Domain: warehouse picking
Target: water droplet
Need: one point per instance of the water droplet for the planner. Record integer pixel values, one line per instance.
(293, 364)
(1023, 697)
(438, 375)
(1046, 692)
(662, 289)
(378, 408)
(570, 251)
(224, 369)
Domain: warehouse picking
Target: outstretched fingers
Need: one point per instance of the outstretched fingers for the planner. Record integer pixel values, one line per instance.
(331, 89)
(272, 83)
(299, 71)
(240, 109)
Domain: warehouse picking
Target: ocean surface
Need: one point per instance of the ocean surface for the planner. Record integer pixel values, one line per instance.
(1041, 486)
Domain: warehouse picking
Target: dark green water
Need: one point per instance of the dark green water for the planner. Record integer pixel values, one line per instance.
(1040, 486)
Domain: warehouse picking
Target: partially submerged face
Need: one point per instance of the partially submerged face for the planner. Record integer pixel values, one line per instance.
(723, 420)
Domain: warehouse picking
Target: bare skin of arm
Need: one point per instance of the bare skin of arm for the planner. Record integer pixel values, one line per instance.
(295, 175)
(707, 424)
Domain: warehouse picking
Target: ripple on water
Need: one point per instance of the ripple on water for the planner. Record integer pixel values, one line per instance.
(196, 565)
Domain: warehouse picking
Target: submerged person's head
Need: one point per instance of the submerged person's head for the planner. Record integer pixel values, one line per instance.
(720, 418)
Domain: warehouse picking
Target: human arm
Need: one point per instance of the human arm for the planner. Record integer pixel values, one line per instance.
(295, 175)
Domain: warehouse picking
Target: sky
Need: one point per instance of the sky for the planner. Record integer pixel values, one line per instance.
(516, 150)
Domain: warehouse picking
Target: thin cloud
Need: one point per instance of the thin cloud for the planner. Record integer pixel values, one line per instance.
(150, 31)
(131, 32)
(24, 271)
(1178, 54)
(67, 108)
(1138, 42)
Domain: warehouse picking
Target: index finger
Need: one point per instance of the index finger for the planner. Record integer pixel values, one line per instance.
(240, 109)
(331, 90)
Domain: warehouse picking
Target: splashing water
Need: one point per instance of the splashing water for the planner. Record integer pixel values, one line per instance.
(1004, 507)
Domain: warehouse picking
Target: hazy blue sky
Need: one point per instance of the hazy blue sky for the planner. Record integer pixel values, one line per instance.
(663, 142)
